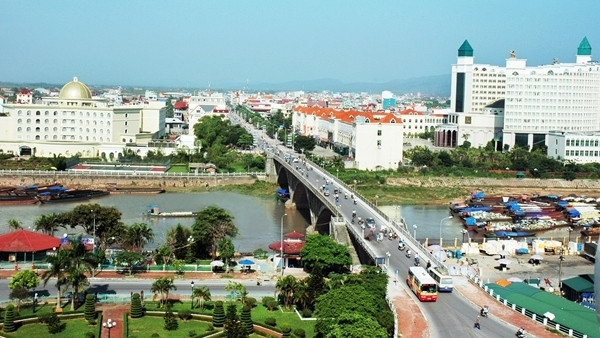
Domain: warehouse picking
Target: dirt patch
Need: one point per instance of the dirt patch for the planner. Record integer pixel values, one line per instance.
(411, 322)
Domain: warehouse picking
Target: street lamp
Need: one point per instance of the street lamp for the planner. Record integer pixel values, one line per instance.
(388, 254)
(192, 284)
(337, 173)
(442, 221)
(281, 242)
(561, 258)
(570, 230)
(415, 231)
(376, 197)
(109, 324)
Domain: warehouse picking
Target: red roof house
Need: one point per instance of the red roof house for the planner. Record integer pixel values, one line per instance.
(27, 241)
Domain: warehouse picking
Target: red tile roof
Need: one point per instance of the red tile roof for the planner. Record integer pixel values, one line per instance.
(289, 247)
(180, 105)
(27, 241)
(348, 116)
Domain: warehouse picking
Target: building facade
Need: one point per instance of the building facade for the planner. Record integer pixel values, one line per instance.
(75, 123)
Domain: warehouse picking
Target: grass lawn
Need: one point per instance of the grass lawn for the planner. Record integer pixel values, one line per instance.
(259, 313)
(179, 168)
(73, 328)
(147, 325)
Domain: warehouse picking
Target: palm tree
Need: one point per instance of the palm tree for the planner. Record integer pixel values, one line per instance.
(14, 224)
(138, 234)
(163, 286)
(56, 269)
(80, 263)
(301, 295)
(287, 286)
(47, 223)
(203, 295)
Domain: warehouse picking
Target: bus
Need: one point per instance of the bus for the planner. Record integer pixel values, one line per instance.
(444, 282)
(422, 284)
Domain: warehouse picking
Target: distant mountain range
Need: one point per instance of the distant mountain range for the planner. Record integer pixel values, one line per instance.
(436, 85)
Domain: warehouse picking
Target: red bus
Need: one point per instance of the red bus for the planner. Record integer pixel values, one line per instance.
(422, 284)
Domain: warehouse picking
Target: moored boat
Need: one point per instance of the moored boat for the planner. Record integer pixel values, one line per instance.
(153, 211)
(18, 200)
(508, 234)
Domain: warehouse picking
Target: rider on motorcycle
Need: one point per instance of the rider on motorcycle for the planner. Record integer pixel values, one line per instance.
(520, 333)
(401, 245)
(353, 213)
(408, 253)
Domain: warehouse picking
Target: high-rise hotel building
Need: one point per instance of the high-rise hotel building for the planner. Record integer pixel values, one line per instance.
(520, 105)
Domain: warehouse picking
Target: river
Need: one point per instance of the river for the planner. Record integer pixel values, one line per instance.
(258, 219)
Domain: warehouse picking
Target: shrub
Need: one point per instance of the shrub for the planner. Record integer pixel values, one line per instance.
(170, 321)
(90, 308)
(135, 309)
(44, 318)
(184, 314)
(266, 300)
(209, 305)
(219, 314)
(246, 319)
(155, 335)
(285, 330)
(299, 332)
(9, 319)
(272, 305)
(271, 321)
(306, 313)
(192, 333)
(54, 324)
(251, 301)
(89, 335)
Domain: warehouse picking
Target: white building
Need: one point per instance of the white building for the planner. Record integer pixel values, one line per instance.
(75, 123)
(536, 100)
(370, 140)
(205, 104)
(575, 147)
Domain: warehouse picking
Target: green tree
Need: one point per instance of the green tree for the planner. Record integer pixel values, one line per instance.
(9, 319)
(354, 325)
(47, 224)
(324, 251)
(218, 314)
(233, 326)
(58, 264)
(178, 240)
(304, 143)
(238, 289)
(286, 286)
(128, 259)
(171, 323)
(135, 309)
(107, 221)
(163, 286)
(245, 140)
(246, 319)
(14, 224)
(353, 298)
(315, 287)
(80, 264)
(169, 111)
(19, 293)
(203, 295)
(90, 307)
(137, 236)
(226, 250)
(212, 130)
(27, 279)
(211, 225)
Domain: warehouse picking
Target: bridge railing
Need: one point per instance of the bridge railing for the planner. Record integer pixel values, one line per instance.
(112, 173)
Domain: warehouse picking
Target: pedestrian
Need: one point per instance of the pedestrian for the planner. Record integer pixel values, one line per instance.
(477, 326)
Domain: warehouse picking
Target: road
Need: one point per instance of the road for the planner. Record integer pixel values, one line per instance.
(111, 286)
(452, 315)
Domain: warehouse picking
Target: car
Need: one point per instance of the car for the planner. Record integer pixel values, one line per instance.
(370, 222)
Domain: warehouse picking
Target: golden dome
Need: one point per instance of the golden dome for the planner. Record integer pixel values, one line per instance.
(75, 90)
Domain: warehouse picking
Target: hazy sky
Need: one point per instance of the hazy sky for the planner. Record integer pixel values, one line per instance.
(201, 42)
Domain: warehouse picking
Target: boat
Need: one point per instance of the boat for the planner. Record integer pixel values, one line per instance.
(18, 200)
(153, 211)
(113, 189)
(283, 194)
(65, 195)
(508, 234)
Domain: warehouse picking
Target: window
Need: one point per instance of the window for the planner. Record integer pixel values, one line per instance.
(379, 132)
(378, 143)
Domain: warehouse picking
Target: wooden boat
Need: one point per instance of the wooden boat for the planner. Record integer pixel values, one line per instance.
(508, 234)
(18, 200)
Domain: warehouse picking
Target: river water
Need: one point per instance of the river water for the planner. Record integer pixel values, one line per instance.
(258, 219)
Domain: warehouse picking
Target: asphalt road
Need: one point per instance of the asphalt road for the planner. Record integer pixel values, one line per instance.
(452, 315)
(125, 287)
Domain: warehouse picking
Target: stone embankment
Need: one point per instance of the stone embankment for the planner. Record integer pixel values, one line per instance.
(104, 182)
(505, 186)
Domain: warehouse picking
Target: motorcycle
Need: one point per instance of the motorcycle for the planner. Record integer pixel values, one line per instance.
(520, 333)
(401, 246)
(354, 202)
(484, 312)
(408, 253)
(417, 261)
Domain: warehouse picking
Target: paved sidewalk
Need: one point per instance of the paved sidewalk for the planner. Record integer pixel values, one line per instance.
(480, 298)
(115, 313)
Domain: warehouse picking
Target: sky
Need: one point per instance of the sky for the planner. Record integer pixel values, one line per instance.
(204, 43)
